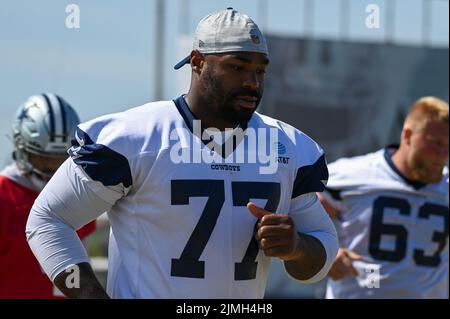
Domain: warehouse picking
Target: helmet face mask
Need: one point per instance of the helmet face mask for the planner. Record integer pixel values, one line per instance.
(43, 127)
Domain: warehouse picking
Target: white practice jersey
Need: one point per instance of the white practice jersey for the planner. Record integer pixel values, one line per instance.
(179, 224)
(401, 228)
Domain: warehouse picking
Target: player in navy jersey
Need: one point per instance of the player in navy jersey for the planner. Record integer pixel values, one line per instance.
(391, 210)
(200, 191)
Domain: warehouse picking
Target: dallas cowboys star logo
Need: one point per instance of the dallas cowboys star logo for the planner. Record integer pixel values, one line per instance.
(23, 115)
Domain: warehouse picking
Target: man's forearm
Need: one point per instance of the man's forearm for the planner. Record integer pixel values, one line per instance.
(79, 282)
(309, 259)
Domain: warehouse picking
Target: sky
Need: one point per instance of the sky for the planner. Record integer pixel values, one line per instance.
(110, 63)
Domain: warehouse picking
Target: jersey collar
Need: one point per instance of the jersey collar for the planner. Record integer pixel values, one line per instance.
(189, 117)
(388, 152)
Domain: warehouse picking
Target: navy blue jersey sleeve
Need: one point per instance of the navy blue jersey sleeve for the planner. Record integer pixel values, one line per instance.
(311, 178)
(100, 162)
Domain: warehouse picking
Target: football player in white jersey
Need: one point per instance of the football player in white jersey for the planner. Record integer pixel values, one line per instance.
(189, 218)
(391, 210)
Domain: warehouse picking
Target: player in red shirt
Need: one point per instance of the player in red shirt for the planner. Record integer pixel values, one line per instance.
(42, 130)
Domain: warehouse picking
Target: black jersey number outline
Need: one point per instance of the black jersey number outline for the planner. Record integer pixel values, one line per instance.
(189, 264)
(400, 232)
